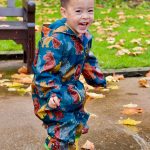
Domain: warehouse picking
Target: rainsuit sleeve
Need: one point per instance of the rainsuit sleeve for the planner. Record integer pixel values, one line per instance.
(46, 66)
(92, 72)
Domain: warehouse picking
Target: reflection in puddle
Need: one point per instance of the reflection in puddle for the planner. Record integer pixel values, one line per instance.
(133, 131)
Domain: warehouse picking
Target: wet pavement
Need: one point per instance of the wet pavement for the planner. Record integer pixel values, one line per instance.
(21, 130)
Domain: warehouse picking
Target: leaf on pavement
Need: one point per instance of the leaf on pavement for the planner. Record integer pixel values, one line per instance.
(118, 76)
(131, 111)
(143, 82)
(131, 105)
(14, 84)
(88, 146)
(129, 122)
(111, 79)
(23, 69)
(1, 75)
(90, 95)
(148, 74)
(113, 87)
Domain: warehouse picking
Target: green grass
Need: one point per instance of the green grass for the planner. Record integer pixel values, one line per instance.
(138, 18)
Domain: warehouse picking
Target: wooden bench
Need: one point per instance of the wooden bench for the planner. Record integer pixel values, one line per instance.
(22, 32)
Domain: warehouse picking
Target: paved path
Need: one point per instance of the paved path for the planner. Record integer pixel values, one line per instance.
(21, 130)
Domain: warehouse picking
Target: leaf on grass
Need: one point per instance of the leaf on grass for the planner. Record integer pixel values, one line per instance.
(98, 39)
(131, 29)
(129, 122)
(136, 41)
(131, 105)
(88, 146)
(116, 46)
(139, 48)
(111, 40)
(122, 51)
(135, 53)
(147, 42)
(23, 69)
(143, 82)
(131, 111)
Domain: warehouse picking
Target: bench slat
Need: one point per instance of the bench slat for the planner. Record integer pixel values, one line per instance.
(11, 3)
(13, 25)
(11, 12)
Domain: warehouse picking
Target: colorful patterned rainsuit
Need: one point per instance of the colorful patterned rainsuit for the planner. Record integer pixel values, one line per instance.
(60, 60)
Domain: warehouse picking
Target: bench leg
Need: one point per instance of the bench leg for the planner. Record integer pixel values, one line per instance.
(31, 49)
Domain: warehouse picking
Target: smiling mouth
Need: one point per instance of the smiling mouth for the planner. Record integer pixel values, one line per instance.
(83, 26)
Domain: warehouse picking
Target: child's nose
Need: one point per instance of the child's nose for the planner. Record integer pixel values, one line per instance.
(85, 15)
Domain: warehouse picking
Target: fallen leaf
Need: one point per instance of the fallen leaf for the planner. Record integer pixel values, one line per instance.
(88, 146)
(139, 48)
(22, 91)
(26, 80)
(136, 41)
(129, 122)
(116, 46)
(147, 42)
(113, 87)
(131, 111)
(148, 74)
(122, 51)
(14, 84)
(131, 105)
(135, 53)
(1, 75)
(23, 69)
(111, 79)
(131, 29)
(143, 82)
(12, 89)
(94, 95)
(110, 40)
(118, 77)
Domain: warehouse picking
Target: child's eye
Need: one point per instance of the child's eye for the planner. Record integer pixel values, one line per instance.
(91, 11)
(78, 11)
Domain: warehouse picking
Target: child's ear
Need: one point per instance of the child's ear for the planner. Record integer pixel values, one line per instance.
(63, 12)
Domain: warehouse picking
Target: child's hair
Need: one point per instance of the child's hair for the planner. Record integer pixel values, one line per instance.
(64, 2)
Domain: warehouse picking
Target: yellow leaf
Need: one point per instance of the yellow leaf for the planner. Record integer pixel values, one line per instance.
(15, 84)
(129, 122)
(113, 87)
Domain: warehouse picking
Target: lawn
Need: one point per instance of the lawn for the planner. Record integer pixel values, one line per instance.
(121, 35)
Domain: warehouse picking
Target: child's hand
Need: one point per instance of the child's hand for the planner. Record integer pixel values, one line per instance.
(54, 102)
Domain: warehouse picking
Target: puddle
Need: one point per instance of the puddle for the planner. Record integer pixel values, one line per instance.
(134, 133)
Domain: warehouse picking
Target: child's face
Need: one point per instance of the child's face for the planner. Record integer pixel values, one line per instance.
(79, 14)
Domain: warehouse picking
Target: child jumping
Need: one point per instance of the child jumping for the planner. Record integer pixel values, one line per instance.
(63, 55)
